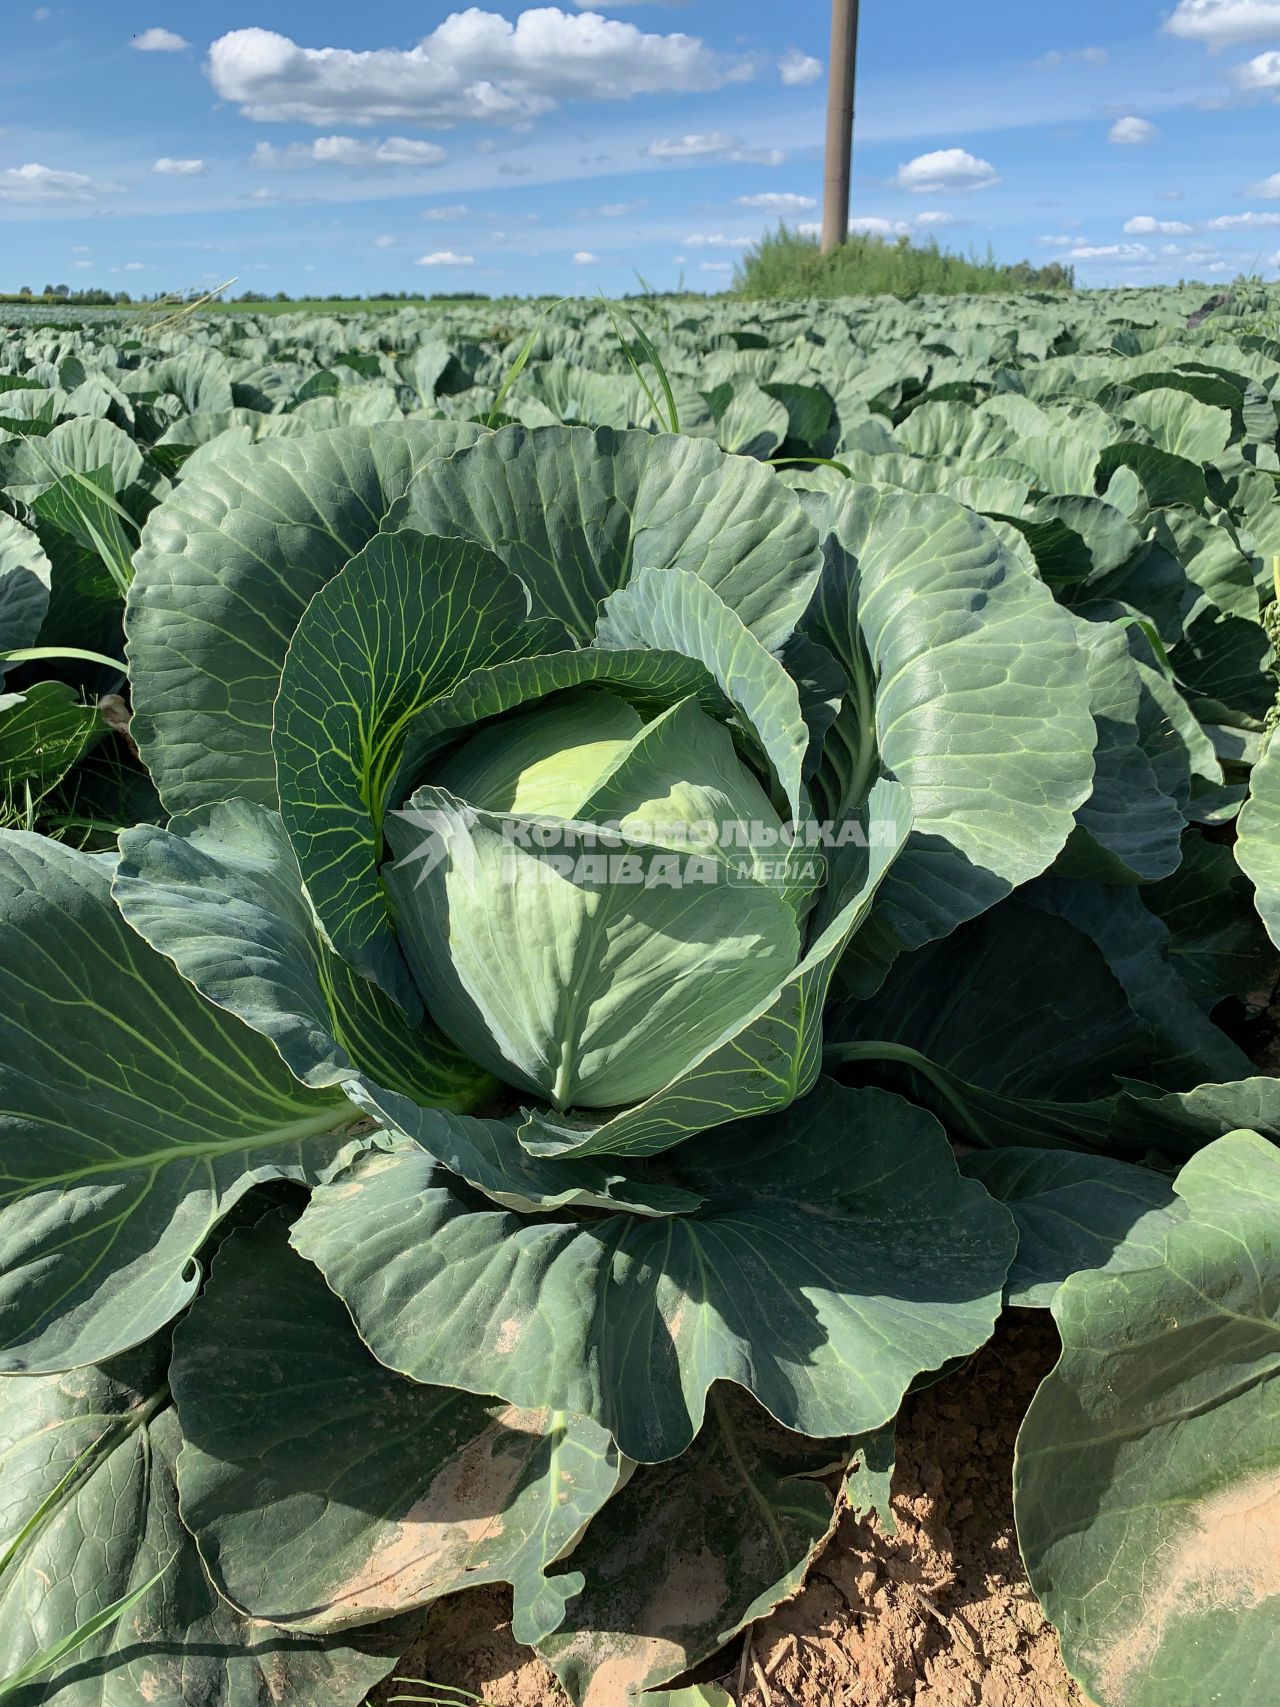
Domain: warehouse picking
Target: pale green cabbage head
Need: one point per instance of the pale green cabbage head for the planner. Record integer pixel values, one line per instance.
(615, 892)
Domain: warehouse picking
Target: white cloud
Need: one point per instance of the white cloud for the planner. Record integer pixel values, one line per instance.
(1108, 252)
(717, 240)
(584, 258)
(1202, 257)
(1057, 241)
(1144, 226)
(446, 258)
(796, 68)
(935, 218)
(475, 65)
(82, 263)
(454, 212)
(1268, 189)
(35, 183)
(1242, 221)
(779, 202)
(867, 225)
(712, 145)
(178, 168)
(384, 242)
(946, 169)
(135, 267)
(871, 225)
(1260, 73)
(347, 151)
(1224, 23)
(716, 267)
(42, 14)
(613, 210)
(1091, 56)
(159, 41)
(1132, 132)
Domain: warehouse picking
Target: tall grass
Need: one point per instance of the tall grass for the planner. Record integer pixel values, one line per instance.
(786, 264)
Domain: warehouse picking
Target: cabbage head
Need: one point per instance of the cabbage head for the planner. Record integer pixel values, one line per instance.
(449, 1053)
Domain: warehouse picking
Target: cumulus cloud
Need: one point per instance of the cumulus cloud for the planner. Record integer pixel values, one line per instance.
(796, 68)
(34, 183)
(135, 266)
(712, 145)
(1242, 221)
(159, 41)
(454, 212)
(931, 217)
(446, 258)
(716, 240)
(1269, 188)
(716, 267)
(584, 258)
(1261, 73)
(384, 242)
(346, 151)
(178, 168)
(1131, 132)
(946, 169)
(1056, 58)
(871, 225)
(1144, 226)
(866, 225)
(779, 202)
(612, 210)
(1224, 23)
(476, 65)
(1108, 252)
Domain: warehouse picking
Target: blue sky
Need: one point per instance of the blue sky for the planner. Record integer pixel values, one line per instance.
(320, 147)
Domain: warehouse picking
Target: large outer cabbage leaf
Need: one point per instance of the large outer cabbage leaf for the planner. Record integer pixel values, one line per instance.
(135, 1114)
(226, 567)
(1147, 1481)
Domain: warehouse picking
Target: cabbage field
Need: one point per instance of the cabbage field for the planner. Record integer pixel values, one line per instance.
(587, 895)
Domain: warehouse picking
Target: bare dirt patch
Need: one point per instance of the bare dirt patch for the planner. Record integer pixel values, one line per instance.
(939, 1615)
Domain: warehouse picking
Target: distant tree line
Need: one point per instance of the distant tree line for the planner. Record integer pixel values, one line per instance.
(64, 293)
(373, 296)
(96, 298)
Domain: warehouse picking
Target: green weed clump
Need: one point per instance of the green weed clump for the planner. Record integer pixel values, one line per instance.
(787, 264)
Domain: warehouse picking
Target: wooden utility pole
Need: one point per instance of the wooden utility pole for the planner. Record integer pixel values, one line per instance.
(840, 76)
